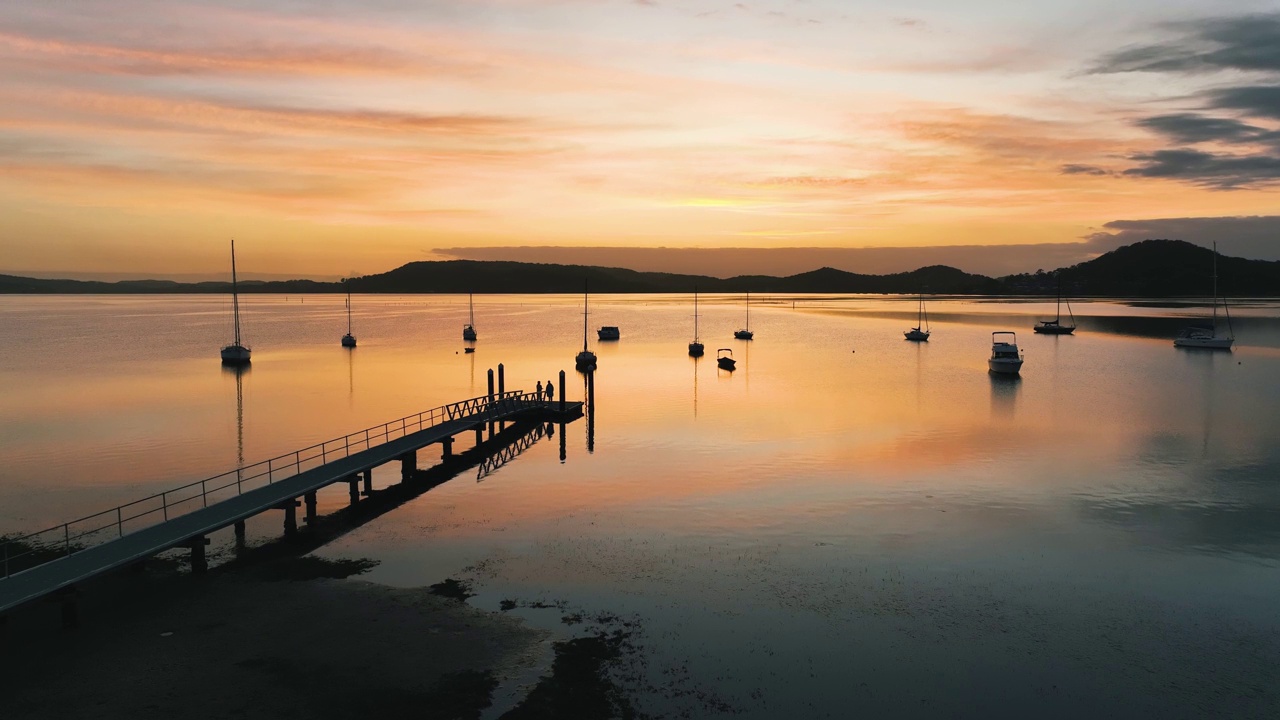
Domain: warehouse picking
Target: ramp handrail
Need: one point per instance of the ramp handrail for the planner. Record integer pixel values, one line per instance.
(67, 538)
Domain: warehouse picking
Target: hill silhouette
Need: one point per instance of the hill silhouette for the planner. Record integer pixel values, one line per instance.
(1151, 268)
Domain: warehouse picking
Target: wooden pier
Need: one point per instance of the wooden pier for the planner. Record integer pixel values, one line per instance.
(57, 559)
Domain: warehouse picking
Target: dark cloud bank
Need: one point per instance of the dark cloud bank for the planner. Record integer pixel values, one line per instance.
(1238, 122)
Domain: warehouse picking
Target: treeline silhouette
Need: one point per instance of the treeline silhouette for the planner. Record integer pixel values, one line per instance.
(1152, 268)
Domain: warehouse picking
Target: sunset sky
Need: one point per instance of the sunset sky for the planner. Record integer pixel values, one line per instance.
(344, 137)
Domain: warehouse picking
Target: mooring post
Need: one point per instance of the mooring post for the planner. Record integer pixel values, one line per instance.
(368, 481)
(563, 454)
(502, 389)
(446, 450)
(562, 392)
(199, 564)
(311, 506)
(239, 534)
(408, 463)
(489, 406)
(353, 486)
(479, 435)
(290, 517)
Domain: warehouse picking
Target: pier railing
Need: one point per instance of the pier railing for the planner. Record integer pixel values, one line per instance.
(26, 551)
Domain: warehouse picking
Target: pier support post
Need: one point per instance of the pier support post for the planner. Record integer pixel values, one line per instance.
(446, 448)
(290, 517)
(408, 463)
(311, 506)
(489, 406)
(561, 391)
(199, 563)
(502, 389)
(239, 534)
(368, 481)
(70, 607)
(353, 486)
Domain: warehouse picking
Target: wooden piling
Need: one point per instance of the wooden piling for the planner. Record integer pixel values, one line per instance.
(310, 499)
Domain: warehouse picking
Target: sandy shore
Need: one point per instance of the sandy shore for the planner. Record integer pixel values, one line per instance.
(260, 645)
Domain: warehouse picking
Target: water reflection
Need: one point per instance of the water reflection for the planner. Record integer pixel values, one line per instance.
(1004, 394)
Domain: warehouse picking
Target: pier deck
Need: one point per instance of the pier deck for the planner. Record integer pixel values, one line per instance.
(190, 527)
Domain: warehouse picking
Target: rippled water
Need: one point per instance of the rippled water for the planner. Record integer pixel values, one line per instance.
(848, 524)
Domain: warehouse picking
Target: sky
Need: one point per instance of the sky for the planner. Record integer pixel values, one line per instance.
(338, 137)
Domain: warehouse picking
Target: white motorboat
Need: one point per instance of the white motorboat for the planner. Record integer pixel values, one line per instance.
(1198, 336)
(919, 333)
(695, 348)
(348, 340)
(745, 333)
(1005, 357)
(609, 332)
(586, 360)
(237, 353)
(469, 330)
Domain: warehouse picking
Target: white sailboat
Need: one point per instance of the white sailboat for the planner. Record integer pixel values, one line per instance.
(348, 340)
(1207, 337)
(236, 353)
(1055, 326)
(746, 334)
(695, 348)
(469, 330)
(919, 333)
(586, 359)
(1005, 357)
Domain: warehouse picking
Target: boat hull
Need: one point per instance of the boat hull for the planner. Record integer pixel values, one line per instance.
(1004, 366)
(726, 363)
(469, 334)
(235, 355)
(696, 349)
(608, 332)
(744, 334)
(1204, 343)
(917, 335)
(348, 341)
(1054, 329)
(585, 359)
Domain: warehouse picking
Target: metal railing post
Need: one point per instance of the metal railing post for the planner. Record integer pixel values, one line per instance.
(119, 522)
(66, 534)
(297, 461)
(204, 493)
(164, 500)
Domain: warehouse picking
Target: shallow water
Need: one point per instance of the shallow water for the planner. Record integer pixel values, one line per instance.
(849, 523)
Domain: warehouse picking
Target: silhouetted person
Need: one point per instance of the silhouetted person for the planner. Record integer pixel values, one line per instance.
(539, 388)
(551, 391)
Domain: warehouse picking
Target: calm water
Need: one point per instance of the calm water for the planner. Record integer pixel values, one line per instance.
(848, 524)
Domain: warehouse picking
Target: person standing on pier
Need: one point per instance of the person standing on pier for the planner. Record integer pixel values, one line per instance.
(539, 388)
(551, 391)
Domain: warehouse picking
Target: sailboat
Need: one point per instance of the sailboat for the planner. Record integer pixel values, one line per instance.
(1055, 326)
(746, 334)
(586, 359)
(1208, 337)
(695, 347)
(469, 330)
(348, 340)
(236, 353)
(920, 332)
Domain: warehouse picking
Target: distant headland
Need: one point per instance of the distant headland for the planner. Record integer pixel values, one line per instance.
(1151, 268)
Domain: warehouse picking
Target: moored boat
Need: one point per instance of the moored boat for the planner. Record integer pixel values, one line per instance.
(1005, 357)
(237, 353)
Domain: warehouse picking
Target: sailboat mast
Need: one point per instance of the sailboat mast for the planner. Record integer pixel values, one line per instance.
(471, 310)
(748, 310)
(1057, 313)
(235, 293)
(1215, 287)
(584, 316)
(348, 311)
(695, 314)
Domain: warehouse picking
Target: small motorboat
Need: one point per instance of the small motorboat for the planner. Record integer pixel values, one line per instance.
(609, 332)
(1005, 357)
(724, 358)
